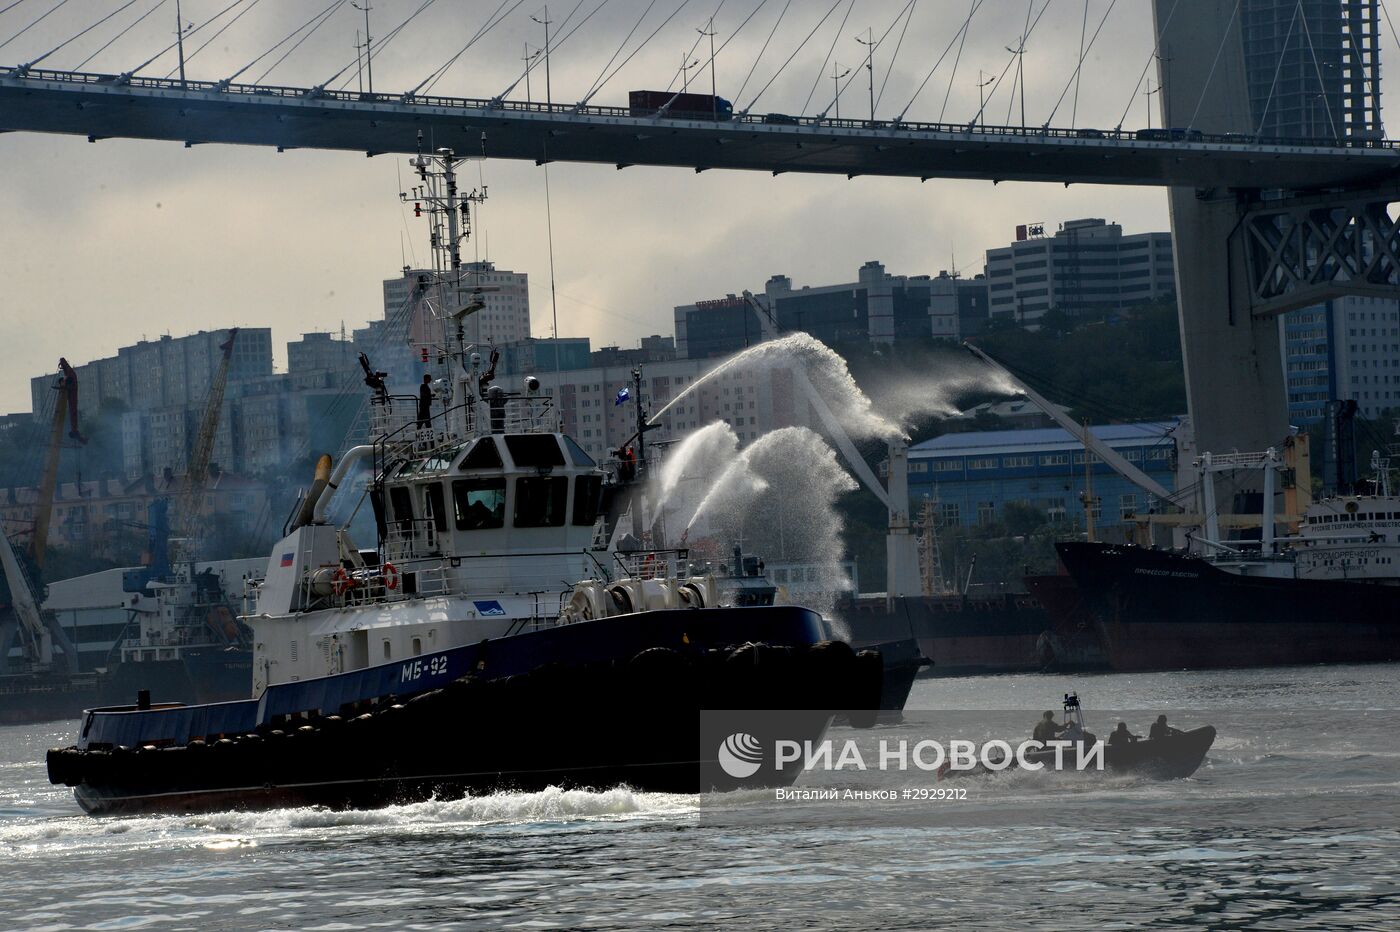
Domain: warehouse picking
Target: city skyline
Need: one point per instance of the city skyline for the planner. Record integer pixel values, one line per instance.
(167, 239)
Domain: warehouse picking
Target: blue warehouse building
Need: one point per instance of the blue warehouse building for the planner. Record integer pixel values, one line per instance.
(973, 476)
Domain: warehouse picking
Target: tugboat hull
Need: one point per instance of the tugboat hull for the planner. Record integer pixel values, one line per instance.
(605, 717)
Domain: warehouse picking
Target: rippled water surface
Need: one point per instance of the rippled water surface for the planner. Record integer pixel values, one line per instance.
(1294, 822)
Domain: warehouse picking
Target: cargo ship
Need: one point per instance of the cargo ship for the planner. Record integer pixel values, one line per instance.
(1331, 597)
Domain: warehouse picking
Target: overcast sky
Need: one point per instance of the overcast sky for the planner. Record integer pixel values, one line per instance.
(103, 244)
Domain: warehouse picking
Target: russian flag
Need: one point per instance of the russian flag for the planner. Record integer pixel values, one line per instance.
(287, 558)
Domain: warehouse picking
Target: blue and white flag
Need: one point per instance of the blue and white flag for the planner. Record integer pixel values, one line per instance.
(623, 396)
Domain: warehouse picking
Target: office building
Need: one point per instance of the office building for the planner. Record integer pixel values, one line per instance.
(1085, 267)
(1344, 349)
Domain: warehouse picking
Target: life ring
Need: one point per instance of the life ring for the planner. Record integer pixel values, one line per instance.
(341, 581)
(390, 574)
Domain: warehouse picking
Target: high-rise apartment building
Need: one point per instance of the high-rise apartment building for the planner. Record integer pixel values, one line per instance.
(1085, 266)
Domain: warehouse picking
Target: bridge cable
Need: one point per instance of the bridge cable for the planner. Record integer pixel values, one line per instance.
(821, 72)
(1020, 54)
(1210, 76)
(1384, 9)
(1273, 85)
(6, 9)
(191, 32)
(772, 32)
(799, 48)
(555, 47)
(592, 88)
(1078, 70)
(895, 57)
(710, 62)
(1321, 85)
(1014, 56)
(878, 43)
(83, 64)
(79, 35)
(530, 65)
(492, 22)
(53, 9)
(967, 23)
(220, 31)
(1154, 54)
(700, 37)
(296, 45)
(943, 111)
(330, 8)
(377, 46)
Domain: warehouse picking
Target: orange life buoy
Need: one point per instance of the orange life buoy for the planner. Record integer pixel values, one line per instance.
(390, 574)
(341, 581)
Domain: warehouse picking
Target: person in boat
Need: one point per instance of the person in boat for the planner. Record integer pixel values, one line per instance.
(1121, 736)
(1047, 728)
(425, 402)
(1160, 729)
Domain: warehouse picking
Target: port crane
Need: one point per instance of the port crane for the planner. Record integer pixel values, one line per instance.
(191, 501)
(40, 631)
(65, 407)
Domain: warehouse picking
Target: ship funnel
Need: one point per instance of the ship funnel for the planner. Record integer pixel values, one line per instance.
(318, 487)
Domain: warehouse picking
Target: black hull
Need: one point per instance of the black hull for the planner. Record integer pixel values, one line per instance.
(211, 674)
(1158, 610)
(637, 722)
(1005, 633)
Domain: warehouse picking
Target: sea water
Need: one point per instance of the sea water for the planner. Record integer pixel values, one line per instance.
(1292, 823)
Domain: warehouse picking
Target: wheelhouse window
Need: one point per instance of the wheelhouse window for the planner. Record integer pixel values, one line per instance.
(484, 455)
(587, 490)
(534, 451)
(577, 454)
(480, 504)
(539, 502)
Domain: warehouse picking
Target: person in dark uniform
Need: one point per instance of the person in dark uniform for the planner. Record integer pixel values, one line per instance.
(1121, 735)
(425, 402)
(1047, 728)
(1160, 729)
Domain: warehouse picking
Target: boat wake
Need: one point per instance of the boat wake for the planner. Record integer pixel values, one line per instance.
(553, 807)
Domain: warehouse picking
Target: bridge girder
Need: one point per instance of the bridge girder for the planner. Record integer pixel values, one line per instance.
(1302, 251)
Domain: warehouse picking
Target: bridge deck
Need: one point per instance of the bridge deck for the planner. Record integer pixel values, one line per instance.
(101, 106)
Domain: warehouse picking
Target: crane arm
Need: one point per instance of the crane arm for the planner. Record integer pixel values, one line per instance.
(197, 475)
(1112, 457)
(65, 404)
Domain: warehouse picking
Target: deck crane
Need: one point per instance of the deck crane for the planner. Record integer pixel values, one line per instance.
(66, 403)
(191, 507)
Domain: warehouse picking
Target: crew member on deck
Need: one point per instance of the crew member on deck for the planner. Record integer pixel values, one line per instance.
(425, 402)
(1121, 736)
(1047, 728)
(1160, 729)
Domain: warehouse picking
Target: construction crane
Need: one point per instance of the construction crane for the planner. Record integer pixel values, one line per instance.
(39, 629)
(197, 475)
(65, 404)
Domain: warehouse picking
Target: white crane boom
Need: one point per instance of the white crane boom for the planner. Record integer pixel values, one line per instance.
(1112, 457)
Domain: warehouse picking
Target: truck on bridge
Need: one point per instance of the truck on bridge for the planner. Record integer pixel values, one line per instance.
(679, 105)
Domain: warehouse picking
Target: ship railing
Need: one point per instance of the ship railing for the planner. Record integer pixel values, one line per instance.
(409, 539)
(651, 564)
(484, 575)
(527, 414)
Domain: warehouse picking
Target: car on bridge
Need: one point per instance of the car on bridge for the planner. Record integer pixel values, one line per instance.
(1173, 134)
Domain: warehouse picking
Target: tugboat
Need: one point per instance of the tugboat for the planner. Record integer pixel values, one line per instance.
(492, 638)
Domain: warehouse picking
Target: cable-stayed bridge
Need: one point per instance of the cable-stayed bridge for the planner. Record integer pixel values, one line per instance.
(193, 112)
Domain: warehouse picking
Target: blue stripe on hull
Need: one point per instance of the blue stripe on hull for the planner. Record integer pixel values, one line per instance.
(619, 637)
